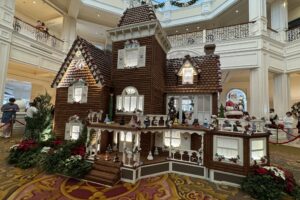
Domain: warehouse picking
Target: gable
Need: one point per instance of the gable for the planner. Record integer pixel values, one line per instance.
(96, 62)
(209, 75)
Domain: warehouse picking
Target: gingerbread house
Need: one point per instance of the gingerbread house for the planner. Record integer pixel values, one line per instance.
(138, 89)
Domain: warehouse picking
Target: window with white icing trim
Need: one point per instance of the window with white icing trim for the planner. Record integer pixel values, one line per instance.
(187, 73)
(132, 56)
(172, 139)
(227, 147)
(73, 130)
(78, 92)
(128, 136)
(257, 148)
(130, 101)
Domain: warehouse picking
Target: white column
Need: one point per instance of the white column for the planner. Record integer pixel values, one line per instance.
(259, 91)
(7, 11)
(69, 32)
(279, 17)
(258, 13)
(281, 96)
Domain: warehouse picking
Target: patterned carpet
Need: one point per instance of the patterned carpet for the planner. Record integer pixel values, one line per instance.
(17, 184)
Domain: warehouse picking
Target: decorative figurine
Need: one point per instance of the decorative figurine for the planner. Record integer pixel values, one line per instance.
(107, 120)
(122, 122)
(205, 123)
(196, 123)
(109, 149)
(147, 122)
(132, 122)
(116, 158)
(150, 157)
(156, 151)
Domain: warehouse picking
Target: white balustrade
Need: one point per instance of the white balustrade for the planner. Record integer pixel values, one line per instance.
(157, 120)
(274, 34)
(30, 31)
(293, 34)
(193, 155)
(226, 124)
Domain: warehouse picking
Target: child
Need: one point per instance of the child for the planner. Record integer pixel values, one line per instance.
(288, 121)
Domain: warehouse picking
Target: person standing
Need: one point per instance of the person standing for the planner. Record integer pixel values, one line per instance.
(8, 117)
(31, 110)
(298, 125)
(288, 121)
(273, 117)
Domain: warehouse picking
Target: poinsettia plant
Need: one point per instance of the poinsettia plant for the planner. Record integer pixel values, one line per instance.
(269, 182)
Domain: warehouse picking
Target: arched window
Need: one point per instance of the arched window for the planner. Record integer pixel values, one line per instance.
(237, 96)
(130, 101)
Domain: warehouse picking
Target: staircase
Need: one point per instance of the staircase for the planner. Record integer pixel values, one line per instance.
(104, 172)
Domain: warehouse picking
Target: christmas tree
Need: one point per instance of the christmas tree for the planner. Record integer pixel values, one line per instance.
(39, 127)
(222, 111)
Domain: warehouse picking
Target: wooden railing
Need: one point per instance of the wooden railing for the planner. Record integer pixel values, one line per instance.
(32, 32)
(232, 32)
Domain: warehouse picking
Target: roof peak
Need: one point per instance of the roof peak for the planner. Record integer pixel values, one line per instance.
(135, 15)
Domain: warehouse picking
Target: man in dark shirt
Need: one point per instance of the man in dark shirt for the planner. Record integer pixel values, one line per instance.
(9, 113)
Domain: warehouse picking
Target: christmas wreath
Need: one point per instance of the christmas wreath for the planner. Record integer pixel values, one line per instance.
(185, 4)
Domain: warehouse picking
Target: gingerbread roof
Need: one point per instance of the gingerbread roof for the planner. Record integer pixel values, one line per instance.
(136, 15)
(96, 71)
(207, 66)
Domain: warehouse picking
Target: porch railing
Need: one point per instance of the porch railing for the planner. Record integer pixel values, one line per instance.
(32, 32)
(239, 125)
(190, 156)
(293, 34)
(211, 35)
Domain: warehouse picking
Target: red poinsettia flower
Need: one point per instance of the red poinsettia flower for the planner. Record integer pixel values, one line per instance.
(26, 145)
(261, 171)
(57, 142)
(78, 151)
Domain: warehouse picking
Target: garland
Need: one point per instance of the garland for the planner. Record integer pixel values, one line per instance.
(186, 4)
(176, 3)
(160, 5)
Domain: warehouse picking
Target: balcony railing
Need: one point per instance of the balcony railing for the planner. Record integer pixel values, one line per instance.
(275, 35)
(293, 34)
(241, 125)
(32, 32)
(211, 35)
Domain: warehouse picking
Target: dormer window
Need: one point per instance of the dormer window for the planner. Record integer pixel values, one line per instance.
(132, 56)
(130, 101)
(77, 92)
(187, 73)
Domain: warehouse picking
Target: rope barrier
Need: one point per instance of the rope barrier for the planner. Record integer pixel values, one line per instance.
(20, 122)
(291, 135)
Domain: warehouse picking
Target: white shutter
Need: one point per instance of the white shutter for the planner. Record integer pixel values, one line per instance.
(70, 94)
(121, 59)
(85, 92)
(142, 56)
(68, 131)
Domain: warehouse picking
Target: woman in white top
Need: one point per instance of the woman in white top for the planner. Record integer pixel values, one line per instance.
(31, 110)
(288, 121)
